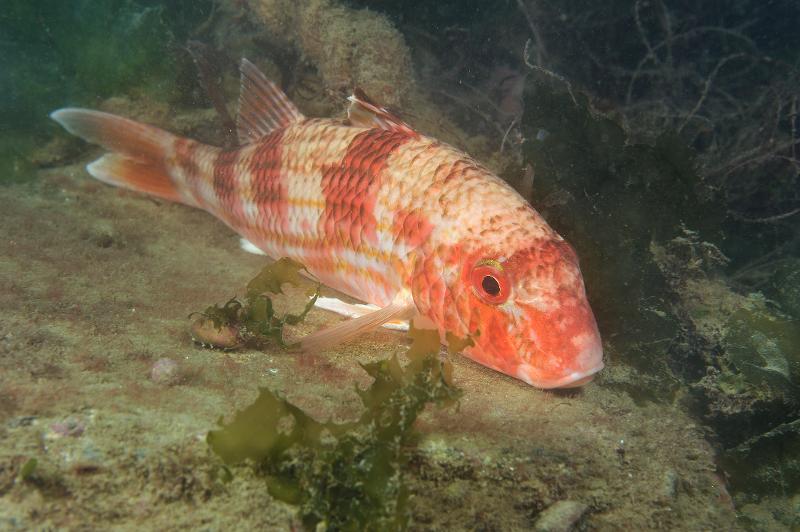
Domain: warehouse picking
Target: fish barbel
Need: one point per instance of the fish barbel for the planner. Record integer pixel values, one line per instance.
(381, 213)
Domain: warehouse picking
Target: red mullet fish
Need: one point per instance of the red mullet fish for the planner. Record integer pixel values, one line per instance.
(374, 209)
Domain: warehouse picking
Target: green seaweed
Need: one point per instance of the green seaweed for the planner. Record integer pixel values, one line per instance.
(58, 53)
(343, 476)
(28, 468)
(254, 318)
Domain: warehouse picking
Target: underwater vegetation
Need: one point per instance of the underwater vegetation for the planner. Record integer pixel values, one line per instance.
(343, 476)
(89, 50)
(661, 141)
(28, 468)
(253, 321)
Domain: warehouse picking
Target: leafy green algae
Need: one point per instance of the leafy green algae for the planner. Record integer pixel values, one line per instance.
(343, 476)
(58, 53)
(254, 320)
(28, 468)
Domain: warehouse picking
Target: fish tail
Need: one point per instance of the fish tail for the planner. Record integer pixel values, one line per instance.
(139, 158)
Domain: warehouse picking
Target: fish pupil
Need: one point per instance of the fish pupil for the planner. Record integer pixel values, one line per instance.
(490, 285)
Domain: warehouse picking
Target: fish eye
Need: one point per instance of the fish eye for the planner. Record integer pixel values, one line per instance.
(490, 282)
(490, 285)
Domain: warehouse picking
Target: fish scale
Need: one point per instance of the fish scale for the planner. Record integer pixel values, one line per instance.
(328, 221)
(381, 213)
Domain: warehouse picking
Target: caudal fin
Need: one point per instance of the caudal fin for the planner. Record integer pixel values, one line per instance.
(139, 152)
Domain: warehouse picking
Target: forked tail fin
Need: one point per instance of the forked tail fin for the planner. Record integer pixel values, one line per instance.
(139, 152)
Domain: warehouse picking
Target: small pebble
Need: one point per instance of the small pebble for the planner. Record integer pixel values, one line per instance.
(72, 427)
(560, 517)
(164, 371)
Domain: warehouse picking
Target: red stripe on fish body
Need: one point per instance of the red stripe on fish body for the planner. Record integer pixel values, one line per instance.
(189, 164)
(185, 158)
(226, 186)
(309, 192)
(265, 195)
(411, 228)
(350, 188)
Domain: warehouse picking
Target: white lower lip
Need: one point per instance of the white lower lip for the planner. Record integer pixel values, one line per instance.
(573, 380)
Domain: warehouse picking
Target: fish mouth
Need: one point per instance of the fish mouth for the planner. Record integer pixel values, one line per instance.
(585, 365)
(575, 379)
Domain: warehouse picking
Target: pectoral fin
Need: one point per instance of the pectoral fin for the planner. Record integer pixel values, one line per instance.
(346, 330)
(357, 310)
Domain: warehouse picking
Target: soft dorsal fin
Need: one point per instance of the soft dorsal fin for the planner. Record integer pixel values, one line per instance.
(263, 106)
(364, 112)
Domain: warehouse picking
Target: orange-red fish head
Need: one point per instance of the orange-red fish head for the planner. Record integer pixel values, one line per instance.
(529, 316)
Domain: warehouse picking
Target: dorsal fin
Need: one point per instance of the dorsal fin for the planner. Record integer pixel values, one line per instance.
(363, 112)
(263, 106)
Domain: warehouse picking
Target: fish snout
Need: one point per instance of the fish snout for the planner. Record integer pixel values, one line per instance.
(587, 364)
(572, 369)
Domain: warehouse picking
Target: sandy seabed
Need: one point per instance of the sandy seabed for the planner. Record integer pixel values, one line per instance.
(96, 285)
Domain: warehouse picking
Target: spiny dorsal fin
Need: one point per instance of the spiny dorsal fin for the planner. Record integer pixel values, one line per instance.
(364, 112)
(263, 106)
